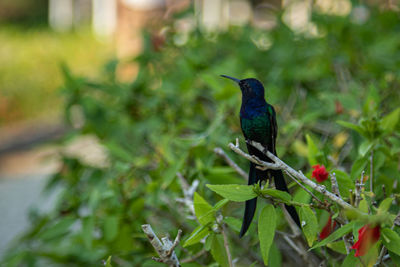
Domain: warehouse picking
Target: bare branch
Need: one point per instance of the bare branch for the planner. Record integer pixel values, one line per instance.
(188, 192)
(335, 186)
(359, 187)
(220, 152)
(279, 164)
(305, 188)
(371, 178)
(164, 249)
(226, 245)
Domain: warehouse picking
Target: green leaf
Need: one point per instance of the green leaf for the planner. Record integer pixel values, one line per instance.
(58, 229)
(352, 126)
(234, 192)
(108, 262)
(385, 205)
(345, 229)
(363, 206)
(277, 194)
(111, 226)
(275, 256)
(218, 251)
(198, 234)
(391, 240)
(357, 168)
(365, 147)
(350, 261)
(389, 122)
(202, 209)
(309, 224)
(338, 246)
(312, 150)
(344, 182)
(233, 223)
(87, 231)
(266, 230)
(220, 204)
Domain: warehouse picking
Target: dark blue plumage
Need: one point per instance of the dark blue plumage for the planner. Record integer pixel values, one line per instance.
(258, 123)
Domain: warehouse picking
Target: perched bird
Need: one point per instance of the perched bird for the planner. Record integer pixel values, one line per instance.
(258, 123)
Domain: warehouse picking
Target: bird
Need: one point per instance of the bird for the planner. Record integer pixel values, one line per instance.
(258, 123)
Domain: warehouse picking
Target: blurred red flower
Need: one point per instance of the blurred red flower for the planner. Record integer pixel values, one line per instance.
(319, 173)
(328, 228)
(367, 237)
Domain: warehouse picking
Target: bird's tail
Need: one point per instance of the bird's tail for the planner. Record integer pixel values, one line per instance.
(251, 204)
(280, 184)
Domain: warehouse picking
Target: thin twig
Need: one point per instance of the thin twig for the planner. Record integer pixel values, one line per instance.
(220, 152)
(188, 192)
(194, 257)
(358, 190)
(305, 189)
(371, 178)
(226, 244)
(335, 186)
(293, 226)
(279, 164)
(164, 249)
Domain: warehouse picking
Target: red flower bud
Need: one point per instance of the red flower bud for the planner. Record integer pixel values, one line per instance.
(328, 228)
(367, 237)
(319, 173)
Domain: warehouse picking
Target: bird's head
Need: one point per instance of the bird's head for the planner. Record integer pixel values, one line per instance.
(251, 88)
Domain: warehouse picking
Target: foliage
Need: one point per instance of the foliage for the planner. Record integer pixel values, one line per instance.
(335, 96)
(29, 68)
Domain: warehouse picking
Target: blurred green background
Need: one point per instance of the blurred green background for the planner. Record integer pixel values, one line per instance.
(330, 68)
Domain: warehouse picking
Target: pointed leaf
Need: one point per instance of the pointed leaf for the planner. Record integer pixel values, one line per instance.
(385, 204)
(389, 122)
(202, 209)
(218, 251)
(352, 126)
(391, 240)
(277, 194)
(338, 246)
(350, 261)
(108, 262)
(198, 234)
(266, 230)
(312, 150)
(345, 229)
(233, 223)
(309, 224)
(234, 192)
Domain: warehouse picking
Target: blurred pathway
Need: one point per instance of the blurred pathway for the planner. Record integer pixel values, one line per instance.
(25, 170)
(17, 195)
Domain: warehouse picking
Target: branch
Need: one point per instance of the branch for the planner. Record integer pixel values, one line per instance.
(165, 249)
(188, 192)
(226, 245)
(280, 165)
(359, 187)
(220, 152)
(305, 188)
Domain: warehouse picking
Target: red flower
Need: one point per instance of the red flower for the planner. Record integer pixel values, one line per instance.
(367, 237)
(328, 228)
(319, 173)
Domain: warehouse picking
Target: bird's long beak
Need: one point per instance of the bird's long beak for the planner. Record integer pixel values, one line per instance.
(234, 79)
